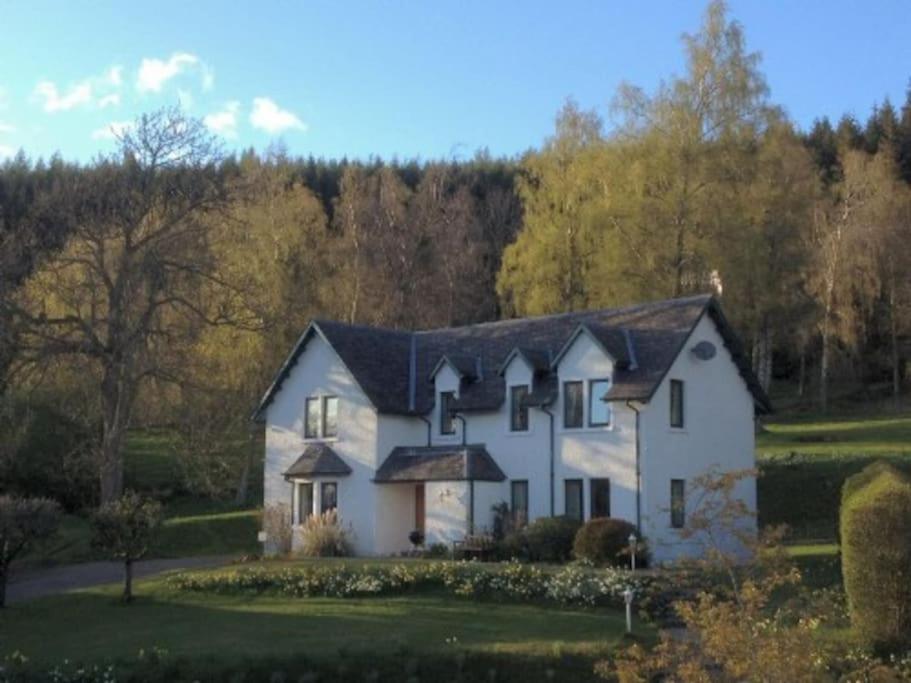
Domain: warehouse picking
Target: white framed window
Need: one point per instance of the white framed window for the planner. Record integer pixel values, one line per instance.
(677, 408)
(328, 496)
(330, 417)
(312, 418)
(304, 501)
(447, 424)
(599, 411)
(518, 413)
(573, 404)
(678, 503)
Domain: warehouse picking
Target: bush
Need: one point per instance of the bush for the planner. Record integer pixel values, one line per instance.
(550, 539)
(324, 536)
(604, 541)
(23, 522)
(278, 528)
(876, 555)
(125, 529)
(437, 551)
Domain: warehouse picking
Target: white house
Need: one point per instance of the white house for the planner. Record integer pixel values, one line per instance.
(600, 413)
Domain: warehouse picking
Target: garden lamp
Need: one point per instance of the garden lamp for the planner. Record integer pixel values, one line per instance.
(633, 541)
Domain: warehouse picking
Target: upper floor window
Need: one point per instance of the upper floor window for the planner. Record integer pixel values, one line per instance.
(572, 405)
(311, 419)
(330, 417)
(677, 403)
(447, 425)
(599, 411)
(518, 420)
(321, 417)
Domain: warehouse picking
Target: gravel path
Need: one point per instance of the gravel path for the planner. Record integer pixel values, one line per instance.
(35, 583)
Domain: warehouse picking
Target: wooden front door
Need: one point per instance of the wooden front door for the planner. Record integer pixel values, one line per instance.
(419, 508)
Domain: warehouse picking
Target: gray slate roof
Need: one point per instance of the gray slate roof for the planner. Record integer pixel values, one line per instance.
(318, 459)
(439, 463)
(393, 367)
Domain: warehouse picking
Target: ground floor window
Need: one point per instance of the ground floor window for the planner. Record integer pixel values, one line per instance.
(304, 501)
(573, 496)
(678, 503)
(519, 502)
(328, 496)
(600, 497)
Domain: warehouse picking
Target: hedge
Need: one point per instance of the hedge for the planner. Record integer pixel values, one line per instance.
(876, 555)
(604, 541)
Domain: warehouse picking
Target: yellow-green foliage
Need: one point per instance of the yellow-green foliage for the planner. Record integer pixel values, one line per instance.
(876, 555)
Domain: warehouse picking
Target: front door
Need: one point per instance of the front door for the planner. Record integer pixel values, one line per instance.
(419, 507)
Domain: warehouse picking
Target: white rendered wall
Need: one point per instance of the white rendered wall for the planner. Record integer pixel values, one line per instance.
(320, 372)
(718, 430)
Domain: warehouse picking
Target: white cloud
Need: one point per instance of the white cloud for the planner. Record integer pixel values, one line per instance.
(154, 73)
(268, 116)
(6, 152)
(114, 76)
(112, 131)
(224, 122)
(112, 100)
(7, 127)
(55, 100)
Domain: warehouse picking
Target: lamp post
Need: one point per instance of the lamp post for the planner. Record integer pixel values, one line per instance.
(628, 599)
(633, 541)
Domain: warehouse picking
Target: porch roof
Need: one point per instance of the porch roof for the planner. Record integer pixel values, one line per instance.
(439, 463)
(318, 459)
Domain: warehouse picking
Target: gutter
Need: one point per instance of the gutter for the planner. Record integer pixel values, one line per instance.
(638, 473)
(429, 424)
(552, 458)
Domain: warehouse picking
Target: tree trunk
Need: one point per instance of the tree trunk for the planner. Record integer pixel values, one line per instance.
(762, 356)
(893, 339)
(128, 580)
(824, 371)
(116, 398)
(802, 373)
(3, 579)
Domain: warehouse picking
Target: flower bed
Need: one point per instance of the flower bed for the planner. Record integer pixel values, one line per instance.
(574, 584)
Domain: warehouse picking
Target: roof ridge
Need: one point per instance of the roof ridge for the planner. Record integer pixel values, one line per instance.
(554, 316)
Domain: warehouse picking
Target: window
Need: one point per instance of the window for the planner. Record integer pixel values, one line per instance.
(330, 417)
(573, 493)
(519, 502)
(328, 496)
(304, 501)
(446, 422)
(311, 419)
(678, 503)
(518, 421)
(598, 410)
(600, 498)
(677, 403)
(572, 405)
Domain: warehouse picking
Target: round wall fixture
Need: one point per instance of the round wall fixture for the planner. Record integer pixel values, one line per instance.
(704, 350)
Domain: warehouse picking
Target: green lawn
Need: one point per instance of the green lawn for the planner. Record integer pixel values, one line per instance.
(233, 628)
(804, 462)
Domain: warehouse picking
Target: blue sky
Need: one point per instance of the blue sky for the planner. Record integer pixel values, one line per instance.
(408, 79)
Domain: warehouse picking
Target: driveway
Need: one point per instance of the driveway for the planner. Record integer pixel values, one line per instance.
(35, 583)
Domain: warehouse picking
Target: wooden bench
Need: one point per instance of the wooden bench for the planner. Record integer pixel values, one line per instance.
(474, 546)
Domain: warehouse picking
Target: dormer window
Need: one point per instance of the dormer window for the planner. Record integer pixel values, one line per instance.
(599, 411)
(573, 405)
(518, 411)
(677, 414)
(447, 425)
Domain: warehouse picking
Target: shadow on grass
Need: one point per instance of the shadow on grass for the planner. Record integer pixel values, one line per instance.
(227, 634)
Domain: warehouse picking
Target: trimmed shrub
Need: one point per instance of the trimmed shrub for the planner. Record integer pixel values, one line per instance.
(876, 556)
(604, 541)
(324, 536)
(550, 539)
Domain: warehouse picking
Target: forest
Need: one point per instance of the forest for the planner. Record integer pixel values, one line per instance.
(163, 284)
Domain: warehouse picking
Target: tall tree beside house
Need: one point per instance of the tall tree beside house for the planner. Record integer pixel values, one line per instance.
(562, 187)
(136, 278)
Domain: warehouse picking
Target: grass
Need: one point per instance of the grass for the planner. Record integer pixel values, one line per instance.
(234, 627)
(805, 460)
(192, 526)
